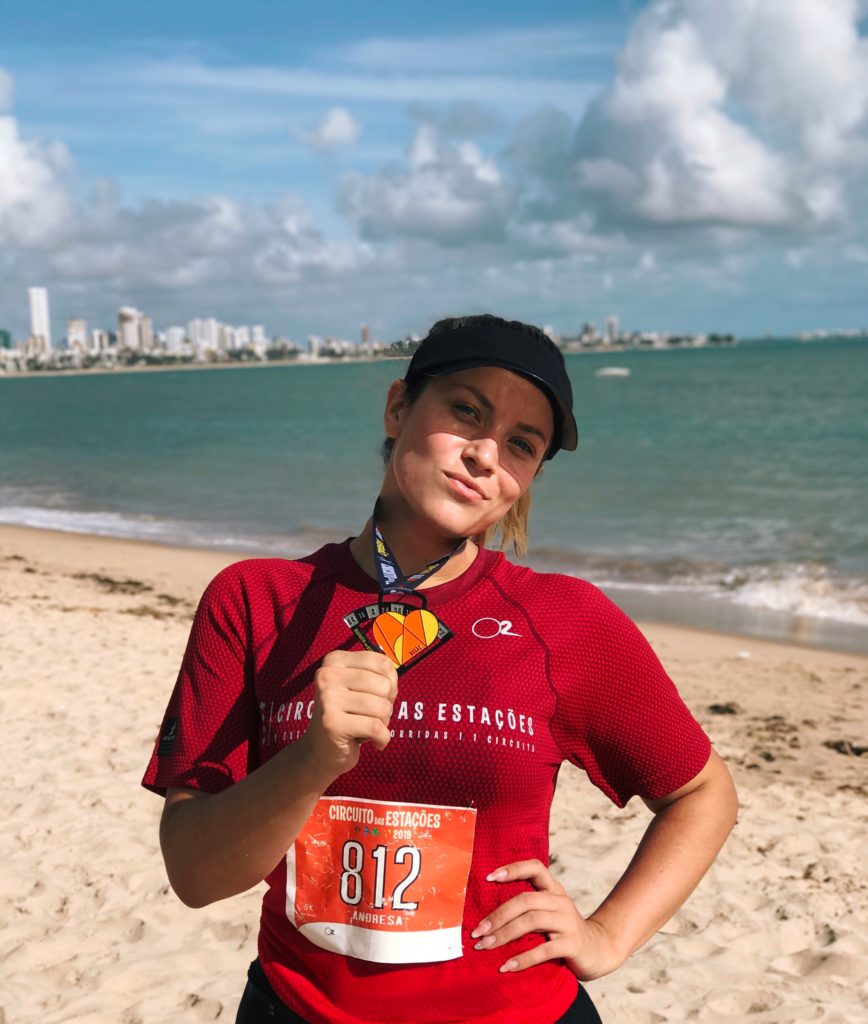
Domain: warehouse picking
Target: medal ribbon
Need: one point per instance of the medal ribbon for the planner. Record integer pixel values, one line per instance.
(401, 631)
(391, 579)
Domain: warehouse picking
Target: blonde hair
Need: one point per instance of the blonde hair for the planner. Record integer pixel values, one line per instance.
(513, 528)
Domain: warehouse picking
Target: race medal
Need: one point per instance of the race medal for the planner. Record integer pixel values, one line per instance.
(381, 881)
(403, 632)
(406, 633)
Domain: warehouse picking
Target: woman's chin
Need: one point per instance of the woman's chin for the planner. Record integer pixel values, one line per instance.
(452, 521)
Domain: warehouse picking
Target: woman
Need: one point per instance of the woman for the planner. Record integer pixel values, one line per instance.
(376, 730)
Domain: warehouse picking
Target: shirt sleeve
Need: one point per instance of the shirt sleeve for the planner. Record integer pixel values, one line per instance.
(209, 728)
(619, 715)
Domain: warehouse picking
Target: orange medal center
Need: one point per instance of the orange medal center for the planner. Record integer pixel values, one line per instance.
(402, 637)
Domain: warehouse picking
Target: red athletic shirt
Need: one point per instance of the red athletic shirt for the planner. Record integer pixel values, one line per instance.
(541, 668)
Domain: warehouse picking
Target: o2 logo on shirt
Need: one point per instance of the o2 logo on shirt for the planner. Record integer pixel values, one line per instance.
(487, 628)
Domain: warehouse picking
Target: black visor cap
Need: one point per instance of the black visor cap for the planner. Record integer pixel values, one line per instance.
(494, 345)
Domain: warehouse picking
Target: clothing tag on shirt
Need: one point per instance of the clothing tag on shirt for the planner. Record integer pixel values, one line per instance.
(381, 881)
(168, 737)
(402, 632)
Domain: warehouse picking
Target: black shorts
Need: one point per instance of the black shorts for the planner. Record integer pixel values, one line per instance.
(260, 1005)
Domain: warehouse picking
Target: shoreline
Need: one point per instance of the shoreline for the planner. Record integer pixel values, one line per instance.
(189, 568)
(248, 364)
(615, 348)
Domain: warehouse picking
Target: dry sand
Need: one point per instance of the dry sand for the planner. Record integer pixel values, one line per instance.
(92, 634)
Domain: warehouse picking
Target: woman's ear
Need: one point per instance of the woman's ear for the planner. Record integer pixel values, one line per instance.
(396, 404)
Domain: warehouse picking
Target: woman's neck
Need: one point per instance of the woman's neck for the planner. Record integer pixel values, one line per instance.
(413, 549)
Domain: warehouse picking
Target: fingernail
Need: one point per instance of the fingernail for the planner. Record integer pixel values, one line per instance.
(510, 965)
(485, 943)
(496, 876)
(480, 929)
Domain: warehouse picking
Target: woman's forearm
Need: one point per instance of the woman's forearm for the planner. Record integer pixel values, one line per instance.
(676, 850)
(218, 845)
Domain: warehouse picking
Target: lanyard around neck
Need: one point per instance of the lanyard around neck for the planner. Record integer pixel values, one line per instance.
(389, 575)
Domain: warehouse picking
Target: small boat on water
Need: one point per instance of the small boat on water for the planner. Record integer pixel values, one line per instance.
(612, 371)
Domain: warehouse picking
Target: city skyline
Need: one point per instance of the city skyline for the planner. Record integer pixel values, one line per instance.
(691, 168)
(206, 341)
(136, 332)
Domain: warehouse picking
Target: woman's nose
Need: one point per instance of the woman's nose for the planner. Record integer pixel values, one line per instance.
(482, 452)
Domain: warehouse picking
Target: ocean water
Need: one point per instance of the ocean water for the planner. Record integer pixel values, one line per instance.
(716, 487)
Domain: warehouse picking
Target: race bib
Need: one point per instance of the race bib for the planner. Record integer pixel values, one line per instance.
(381, 881)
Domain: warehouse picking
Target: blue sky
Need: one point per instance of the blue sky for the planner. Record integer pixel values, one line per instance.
(317, 167)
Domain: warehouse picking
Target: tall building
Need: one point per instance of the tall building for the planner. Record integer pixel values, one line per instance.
(135, 330)
(204, 334)
(5, 339)
(99, 341)
(613, 329)
(128, 327)
(211, 333)
(226, 339)
(76, 334)
(40, 322)
(146, 334)
(175, 338)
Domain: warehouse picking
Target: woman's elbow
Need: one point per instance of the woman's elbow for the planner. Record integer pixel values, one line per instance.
(189, 894)
(730, 800)
(183, 861)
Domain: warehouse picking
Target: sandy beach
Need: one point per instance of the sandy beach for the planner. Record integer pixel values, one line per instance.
(93, 631)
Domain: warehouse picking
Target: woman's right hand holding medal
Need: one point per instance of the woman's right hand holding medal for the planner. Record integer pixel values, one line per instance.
(354, 695)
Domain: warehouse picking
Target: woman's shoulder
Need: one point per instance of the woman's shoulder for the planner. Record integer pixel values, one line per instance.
(537, 583)
(272, 576)
(560, 602)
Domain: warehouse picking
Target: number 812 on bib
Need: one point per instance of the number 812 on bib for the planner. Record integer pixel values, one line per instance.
(381, 881)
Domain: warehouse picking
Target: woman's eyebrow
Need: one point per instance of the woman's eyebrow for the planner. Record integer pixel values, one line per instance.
(483, 401)
(529, 429)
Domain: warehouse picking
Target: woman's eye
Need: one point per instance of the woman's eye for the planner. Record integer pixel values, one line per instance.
(465, 409)
(523, 445)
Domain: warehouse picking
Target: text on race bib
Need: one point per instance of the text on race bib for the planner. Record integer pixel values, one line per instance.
(381, 881)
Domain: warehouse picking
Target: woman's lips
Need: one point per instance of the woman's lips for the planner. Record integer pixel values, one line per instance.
(464, 488)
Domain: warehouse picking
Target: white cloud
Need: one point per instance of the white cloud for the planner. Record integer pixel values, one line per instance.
(34, 204)
(296, 248)
(337, 129)
(209, 240)
(647, 262)
(494, 85)
(487, 50)
(159, 245)
(740, 113)
(459, 119)
(285, 261)
(450, 193)
(35, 207)
(563, 237)
(800, 64)
(541, 143)
(729, 134)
